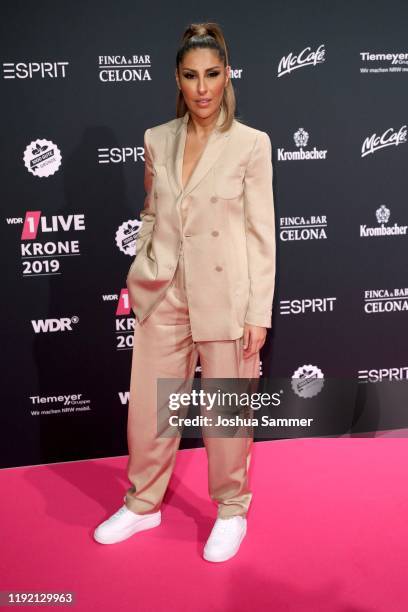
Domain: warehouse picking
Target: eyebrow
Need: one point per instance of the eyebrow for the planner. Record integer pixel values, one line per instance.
(212, 68)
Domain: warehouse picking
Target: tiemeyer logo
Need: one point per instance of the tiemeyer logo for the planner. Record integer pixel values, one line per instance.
(306, 57)
(31, 70)
(74, 402)
(389, 138)
(380, 301)
(124, 69)
(62, 324)
(126, 236)
(305, 305)
(124, 319)
(303, 228)
(301, 138)
(395, 62)
(383, 215)
(379, 374)
(43, 258)
(120, 155)
(42, 158)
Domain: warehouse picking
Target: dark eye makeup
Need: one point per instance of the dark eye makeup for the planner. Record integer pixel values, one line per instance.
(190, 75)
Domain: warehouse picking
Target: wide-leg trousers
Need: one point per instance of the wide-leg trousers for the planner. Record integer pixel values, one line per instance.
(163, 348)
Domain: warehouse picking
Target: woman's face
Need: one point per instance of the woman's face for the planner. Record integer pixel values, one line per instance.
(202, 78)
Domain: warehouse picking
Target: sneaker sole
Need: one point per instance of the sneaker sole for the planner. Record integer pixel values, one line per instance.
(142, 526)
(207, 558)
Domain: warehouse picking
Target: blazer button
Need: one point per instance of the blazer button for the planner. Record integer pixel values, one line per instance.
(218, 268)
(214, 199)
(215, 233)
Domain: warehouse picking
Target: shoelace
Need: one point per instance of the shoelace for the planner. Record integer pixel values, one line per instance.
(224, 525)
(121, 511)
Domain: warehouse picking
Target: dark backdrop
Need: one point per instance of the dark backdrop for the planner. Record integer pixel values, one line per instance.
(66, 329)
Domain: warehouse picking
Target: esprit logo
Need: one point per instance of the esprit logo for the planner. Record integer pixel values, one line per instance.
(303, 305)
(306, 57)
(120, 155)
(54, 325)
(29, 70)
(34, 221)
(389, 138)
(379, 374)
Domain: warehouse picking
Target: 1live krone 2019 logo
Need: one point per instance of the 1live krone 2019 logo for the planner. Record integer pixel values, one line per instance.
(124, 319)
(41, 253)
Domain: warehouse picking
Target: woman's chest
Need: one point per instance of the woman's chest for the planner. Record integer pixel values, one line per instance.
(193, 151)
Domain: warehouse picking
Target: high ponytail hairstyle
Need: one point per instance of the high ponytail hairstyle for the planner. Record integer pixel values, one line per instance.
(207, 36)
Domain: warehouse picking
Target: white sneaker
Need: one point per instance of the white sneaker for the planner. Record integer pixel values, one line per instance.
(123, 524)
(225, 538)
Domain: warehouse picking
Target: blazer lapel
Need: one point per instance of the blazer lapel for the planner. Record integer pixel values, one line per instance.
(176, 141)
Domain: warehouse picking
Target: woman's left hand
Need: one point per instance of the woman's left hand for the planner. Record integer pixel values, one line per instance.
(254, 339)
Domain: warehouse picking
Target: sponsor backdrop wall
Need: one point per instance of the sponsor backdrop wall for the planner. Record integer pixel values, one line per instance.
(79, 85)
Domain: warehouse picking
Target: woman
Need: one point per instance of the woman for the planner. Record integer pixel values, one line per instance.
(201, 284)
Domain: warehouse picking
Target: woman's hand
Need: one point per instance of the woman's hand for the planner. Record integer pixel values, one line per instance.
(254, 339)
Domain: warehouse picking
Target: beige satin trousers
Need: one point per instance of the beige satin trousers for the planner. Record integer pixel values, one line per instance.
(163, 348)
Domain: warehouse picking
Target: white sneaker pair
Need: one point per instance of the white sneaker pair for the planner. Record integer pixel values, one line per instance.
(223, 543)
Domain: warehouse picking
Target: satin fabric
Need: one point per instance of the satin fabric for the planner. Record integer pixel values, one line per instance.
(164, 348)
(229, 237)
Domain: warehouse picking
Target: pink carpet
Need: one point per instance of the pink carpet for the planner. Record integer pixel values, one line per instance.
(327, 531)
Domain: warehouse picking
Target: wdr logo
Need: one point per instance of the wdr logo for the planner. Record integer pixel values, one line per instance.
(46, 326)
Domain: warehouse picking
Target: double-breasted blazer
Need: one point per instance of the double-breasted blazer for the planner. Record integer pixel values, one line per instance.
(228, 238)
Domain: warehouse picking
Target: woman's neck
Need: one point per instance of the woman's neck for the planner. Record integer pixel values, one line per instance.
(202, 127)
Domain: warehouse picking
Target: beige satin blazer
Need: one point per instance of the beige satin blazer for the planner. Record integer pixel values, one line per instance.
(229, 235)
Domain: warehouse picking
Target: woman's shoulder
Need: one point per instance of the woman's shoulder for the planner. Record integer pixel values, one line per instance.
(248, 134)
(155, 136)
(158, 129)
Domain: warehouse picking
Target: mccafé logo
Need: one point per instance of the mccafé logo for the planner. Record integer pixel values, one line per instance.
(306, 57)
(388, 139)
